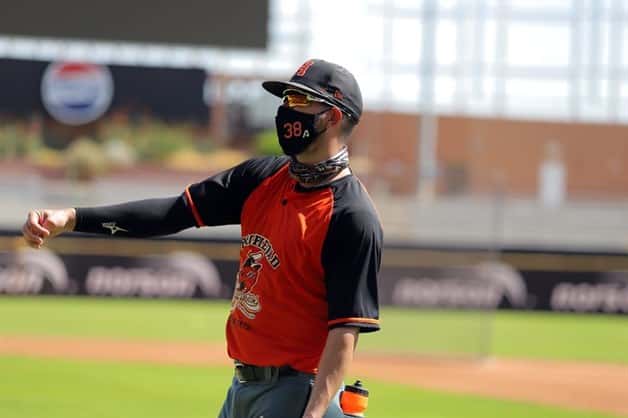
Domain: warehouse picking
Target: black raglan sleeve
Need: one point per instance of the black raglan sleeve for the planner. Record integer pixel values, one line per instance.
(351, 259)
(218, 200)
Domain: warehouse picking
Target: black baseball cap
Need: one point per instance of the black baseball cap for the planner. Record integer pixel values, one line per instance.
(325, 80)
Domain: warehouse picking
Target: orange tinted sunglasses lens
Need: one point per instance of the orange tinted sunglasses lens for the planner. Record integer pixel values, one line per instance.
(296, 100)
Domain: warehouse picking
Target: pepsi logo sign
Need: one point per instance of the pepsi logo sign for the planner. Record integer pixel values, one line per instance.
(76, 93)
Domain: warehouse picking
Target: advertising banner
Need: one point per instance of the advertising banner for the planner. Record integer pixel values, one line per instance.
(497, 285)
(180, 274)
(422, 278)
(77, 93)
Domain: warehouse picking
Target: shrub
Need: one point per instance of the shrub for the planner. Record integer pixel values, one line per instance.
(85, 159)
(266, 143)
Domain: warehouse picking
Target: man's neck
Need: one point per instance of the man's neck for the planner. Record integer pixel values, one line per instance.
(344, 173)
(318, 164)
(322, 151)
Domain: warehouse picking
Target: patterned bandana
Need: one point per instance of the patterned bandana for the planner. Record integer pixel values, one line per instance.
(321, 173)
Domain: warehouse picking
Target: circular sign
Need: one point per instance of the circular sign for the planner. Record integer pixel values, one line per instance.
(76, 93)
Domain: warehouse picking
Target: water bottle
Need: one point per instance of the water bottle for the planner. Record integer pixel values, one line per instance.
(354, 399)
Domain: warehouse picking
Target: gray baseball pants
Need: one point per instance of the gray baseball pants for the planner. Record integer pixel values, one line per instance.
(281, 397)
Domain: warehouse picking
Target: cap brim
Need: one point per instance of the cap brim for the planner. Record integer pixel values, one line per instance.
(276, 88)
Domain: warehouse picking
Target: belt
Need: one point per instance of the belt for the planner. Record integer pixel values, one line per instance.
(246, 373)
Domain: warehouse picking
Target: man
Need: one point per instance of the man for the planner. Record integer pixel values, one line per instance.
(310, 251)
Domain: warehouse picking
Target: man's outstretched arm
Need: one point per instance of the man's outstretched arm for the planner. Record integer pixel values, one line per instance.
(143, 218)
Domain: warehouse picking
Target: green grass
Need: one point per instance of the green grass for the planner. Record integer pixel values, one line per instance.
(595, 338)
(163, 320)
(580, 337)
(36, 388)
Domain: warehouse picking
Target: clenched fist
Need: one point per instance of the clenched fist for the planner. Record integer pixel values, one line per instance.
(43, 224)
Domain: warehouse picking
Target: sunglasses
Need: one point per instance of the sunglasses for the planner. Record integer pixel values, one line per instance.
(293, 98)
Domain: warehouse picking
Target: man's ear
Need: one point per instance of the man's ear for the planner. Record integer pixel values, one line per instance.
(336, 115)
(333, 116)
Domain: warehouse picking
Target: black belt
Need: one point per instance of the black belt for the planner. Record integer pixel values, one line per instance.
(246, 373)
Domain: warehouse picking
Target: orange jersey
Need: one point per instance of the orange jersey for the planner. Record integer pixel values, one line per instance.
(308, 261)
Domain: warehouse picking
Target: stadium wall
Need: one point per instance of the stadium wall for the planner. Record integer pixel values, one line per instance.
(420, 277)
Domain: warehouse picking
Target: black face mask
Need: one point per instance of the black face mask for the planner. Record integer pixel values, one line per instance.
(296, 130)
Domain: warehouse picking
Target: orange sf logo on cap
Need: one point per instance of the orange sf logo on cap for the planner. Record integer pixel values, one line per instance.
(304, 67)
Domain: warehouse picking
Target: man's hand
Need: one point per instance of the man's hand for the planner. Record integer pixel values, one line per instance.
(43, 224)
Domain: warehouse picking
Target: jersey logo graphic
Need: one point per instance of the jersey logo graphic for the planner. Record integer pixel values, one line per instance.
(243, 297)
(255, 250)
(113, 227)
(262, 243)
(248, 274)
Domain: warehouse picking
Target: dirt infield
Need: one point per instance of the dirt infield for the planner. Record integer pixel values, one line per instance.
(584, 386)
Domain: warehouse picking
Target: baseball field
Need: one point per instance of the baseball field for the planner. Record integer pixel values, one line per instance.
(106, 358)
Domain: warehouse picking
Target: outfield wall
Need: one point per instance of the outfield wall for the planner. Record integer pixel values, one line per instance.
(422, 277)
